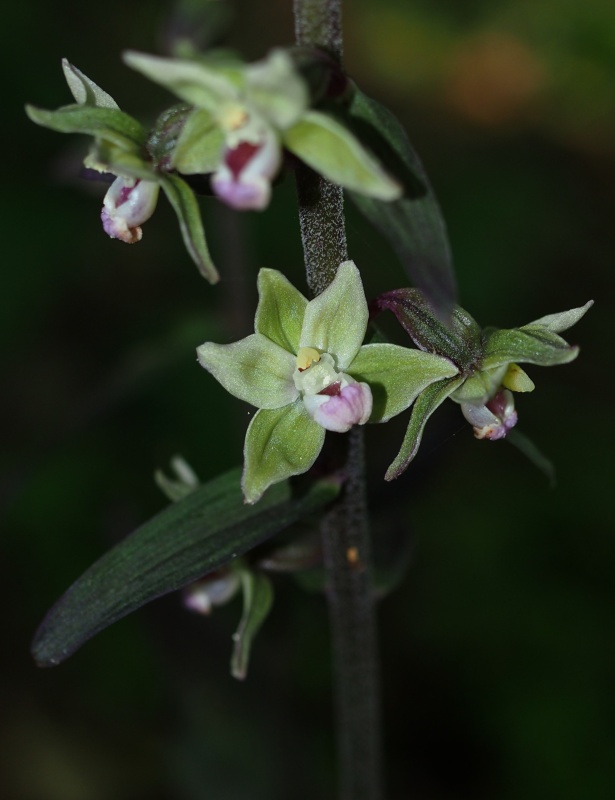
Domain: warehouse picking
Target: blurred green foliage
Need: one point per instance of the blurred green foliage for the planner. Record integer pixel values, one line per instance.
(497, 658)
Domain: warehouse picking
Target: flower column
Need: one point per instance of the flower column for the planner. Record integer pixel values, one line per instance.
(345, 530)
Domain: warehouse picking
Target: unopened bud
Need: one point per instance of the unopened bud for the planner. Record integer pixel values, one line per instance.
(127, 205)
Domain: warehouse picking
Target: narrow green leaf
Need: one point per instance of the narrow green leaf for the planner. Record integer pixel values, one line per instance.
(104, 123)
(427, 402)
(413, 225)
(526, 446)
(257, 602)
(190, 538)
(184, 204)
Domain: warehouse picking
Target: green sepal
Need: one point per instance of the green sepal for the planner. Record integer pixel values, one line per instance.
(531, 344)
(257, 602)
(199, 145)
(84, 90)
(182, 485)
(425, 405)
(526, 446)
(459, 339)
(254, 369)
(184, 203)
(187, 540)
(275, 87)
(105, 123)
(557, 323)
(279, 443)
(336, 320)
(413, 225)
(195, 82)
(328, 146)
(280, 311)
(397, 375)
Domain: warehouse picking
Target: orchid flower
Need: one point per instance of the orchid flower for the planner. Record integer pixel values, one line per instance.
(307, 372)
(121, 147)
(245, 115)
(488, 363)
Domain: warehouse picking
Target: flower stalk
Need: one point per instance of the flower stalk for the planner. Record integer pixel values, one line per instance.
(345, 529)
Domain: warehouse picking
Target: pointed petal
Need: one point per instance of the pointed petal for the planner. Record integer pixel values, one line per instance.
(280, 311)
(200, 144)
(184, 203)
(84, 90)
(278, 91)
(253, 369)
(257, 602)
(335, 322)
(193, 81)
(396, 375)
(332, 150)
(424, 407)
(279, 443)
(532, 344)
(557, 323)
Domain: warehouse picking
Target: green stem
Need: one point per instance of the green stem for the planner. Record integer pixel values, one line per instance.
(345, 529)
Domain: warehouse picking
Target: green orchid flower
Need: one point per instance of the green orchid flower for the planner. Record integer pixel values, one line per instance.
(306, 370)
(123, 148)
(488, 363)
(245, 115)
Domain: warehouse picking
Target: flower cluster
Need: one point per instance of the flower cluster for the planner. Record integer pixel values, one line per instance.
(236, 121)
(306, 370)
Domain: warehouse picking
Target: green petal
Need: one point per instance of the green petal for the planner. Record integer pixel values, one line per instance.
(532, 344)
(192, 81)
(280, 311)
(278, 91)
(335, 322)
(199, 146)
(557, 323)
(104, 123)
(84, 90)
(257, 602)
(279, 443)
(184, 203)
(480, 387)
(254, 369)
(104, 156)
(396, 375)
(329, 148)
(424, 407)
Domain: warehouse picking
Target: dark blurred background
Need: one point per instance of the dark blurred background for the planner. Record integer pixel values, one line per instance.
(498, 664)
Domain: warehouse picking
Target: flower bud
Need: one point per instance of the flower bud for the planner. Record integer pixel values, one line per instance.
(127, 205)
(215, 590)
(494, 419)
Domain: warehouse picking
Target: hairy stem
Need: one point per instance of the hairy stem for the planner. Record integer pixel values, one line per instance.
(345, 529)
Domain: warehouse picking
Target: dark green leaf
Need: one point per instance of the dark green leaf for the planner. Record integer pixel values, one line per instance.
(187, 540)
(426, 403)
(459, 340)
(413, 225)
